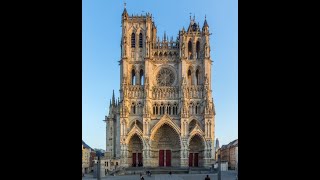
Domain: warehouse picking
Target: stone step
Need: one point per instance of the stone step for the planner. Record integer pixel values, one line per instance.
(166, 170)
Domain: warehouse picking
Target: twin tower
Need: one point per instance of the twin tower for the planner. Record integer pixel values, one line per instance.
(165, 115)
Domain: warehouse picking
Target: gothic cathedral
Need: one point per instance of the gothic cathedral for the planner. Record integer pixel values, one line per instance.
(165, 115)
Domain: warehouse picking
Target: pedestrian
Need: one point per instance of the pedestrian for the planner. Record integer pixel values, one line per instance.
(207, 178)
(141, 177)
(170, 172)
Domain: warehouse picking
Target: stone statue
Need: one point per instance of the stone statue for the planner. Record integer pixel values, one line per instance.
(206, 80)
(147, 45)
(206, 50)
(124, 80)
(183, 49)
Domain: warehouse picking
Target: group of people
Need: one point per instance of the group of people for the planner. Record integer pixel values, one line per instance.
(170, 173)
(139, 164)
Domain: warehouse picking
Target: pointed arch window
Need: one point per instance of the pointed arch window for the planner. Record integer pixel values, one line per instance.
(157, 110)
(141, 77)
(140, 40)
(139, 111)
(175, 109)
(133, 40)
(191, 108)
(197, 77)
(133, 108)
(154, 109)
(169, 109)
(198, 50)
(133, 77)
(190, 50)
(162, 109)
(189, 77)
(198, 108)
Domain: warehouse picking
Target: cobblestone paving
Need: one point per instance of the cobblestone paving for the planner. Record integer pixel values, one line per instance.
(227, 175)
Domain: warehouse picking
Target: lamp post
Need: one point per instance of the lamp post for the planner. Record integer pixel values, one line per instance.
(98, 166)
(219, 167)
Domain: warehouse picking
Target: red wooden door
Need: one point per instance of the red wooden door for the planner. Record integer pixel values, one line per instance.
(161, 157)
(140, 158)
(168, 157)
(134, 157)
(196, 159)
(190, 159)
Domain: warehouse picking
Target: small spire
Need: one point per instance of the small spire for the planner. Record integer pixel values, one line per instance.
(113, 99)
(194, 17)
(125, 13)
(164, 36)
(110, 103)
(205, 24)
(190, 16)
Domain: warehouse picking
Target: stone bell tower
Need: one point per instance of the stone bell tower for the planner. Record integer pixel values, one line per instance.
(196, 96)
(138, 33)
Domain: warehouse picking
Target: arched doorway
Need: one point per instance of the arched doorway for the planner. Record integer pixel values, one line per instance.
(166, 147)
(135, 151)
(196, 151)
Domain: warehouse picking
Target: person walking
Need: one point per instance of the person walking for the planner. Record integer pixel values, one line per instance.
(207, 178)
(141, 177)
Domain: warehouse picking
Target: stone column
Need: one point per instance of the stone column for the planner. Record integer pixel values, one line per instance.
(186, 128)
(209, 129)
(208, 157)
(184, 153)
(194, 52)
(124, 158)
(146, 153)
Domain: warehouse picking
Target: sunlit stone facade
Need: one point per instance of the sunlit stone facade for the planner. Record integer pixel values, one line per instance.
(165, 114)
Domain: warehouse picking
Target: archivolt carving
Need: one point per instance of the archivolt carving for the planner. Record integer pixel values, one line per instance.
(165, 120)
(135, 130)
(197, 131)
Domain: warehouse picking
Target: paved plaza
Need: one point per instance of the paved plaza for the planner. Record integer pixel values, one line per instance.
(225, 175)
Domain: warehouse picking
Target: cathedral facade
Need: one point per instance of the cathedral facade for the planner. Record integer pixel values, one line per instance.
(165, 114)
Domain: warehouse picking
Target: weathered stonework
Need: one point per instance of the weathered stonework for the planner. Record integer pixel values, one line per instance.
(165, 99)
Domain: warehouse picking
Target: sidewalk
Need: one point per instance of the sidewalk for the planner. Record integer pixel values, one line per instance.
(225, 175)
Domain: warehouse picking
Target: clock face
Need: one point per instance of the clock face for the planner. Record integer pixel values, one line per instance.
(165, 77)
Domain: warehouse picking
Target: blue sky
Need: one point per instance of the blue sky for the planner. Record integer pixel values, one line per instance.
(101, 34)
